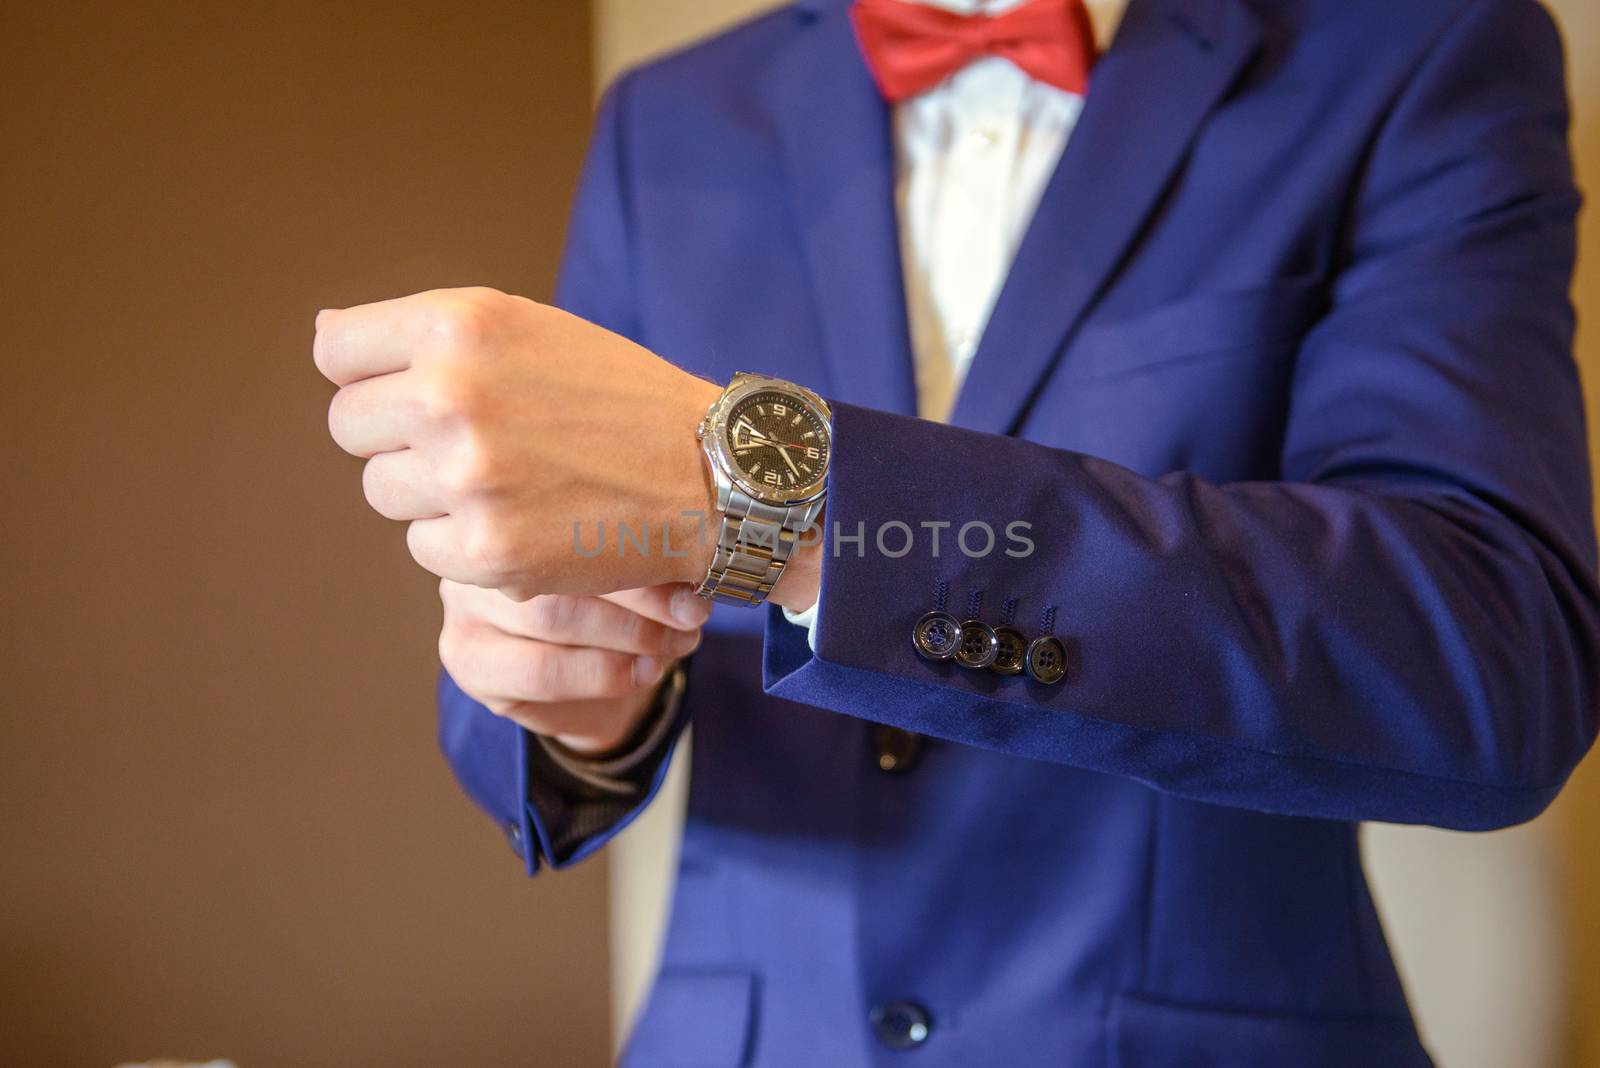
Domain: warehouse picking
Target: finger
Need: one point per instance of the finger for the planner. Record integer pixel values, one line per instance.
(591, 621)
(500, 667)
(400, 485)
(570, 620)
(436, 544)
(604, 717)
(375, 415)
(673, 603)
(367, 340)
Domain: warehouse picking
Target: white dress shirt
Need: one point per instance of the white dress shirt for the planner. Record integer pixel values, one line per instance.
(972, 157)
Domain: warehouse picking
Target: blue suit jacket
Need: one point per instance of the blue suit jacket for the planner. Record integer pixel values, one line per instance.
(1282, 381)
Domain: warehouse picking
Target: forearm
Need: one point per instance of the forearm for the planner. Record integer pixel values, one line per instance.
(1315, 649)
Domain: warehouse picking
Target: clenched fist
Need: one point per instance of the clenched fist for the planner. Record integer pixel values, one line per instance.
(499, 427)
(582, 670)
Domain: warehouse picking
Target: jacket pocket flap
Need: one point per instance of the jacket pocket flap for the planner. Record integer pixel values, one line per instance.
(1146, 1033)
(695, 1019)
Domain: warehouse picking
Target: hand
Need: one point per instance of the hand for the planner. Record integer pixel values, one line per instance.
(504, 431)
(582, 670)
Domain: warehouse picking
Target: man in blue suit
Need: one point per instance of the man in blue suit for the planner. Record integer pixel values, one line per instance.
(1253, 359)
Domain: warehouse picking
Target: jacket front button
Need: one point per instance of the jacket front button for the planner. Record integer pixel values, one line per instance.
(514, 838)
(901, 1024)
(895, 750)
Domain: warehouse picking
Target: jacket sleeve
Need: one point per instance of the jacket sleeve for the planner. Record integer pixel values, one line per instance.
(1405, 627)
(550, 817)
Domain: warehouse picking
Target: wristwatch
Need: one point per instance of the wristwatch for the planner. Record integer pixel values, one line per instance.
(768, 443)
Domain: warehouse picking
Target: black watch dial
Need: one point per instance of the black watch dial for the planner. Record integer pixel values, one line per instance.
(778, 443)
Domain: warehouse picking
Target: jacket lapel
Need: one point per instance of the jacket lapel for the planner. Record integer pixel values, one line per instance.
(839, 165)
(1171, 61)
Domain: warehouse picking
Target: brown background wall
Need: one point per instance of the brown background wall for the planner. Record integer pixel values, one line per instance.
(224, 828)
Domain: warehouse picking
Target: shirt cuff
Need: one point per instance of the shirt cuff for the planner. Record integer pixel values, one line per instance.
(808, 620)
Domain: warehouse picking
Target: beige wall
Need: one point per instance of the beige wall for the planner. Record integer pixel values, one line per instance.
(224, 827)
(628, 30)
(1577, 813)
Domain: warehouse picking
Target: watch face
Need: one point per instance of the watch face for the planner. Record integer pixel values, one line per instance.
(779, 443)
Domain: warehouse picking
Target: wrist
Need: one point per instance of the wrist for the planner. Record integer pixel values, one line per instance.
(800, 584)
(692, 530)
(633, 720)
(620, 771)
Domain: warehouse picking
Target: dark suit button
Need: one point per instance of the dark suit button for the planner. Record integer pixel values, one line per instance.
(937, 635)
(901, 1024)
(896, 751)
(1013, 651)
(979, 646)
(1047, 660)
(514, 836)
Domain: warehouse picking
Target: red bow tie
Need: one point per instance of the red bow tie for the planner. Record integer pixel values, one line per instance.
(913, 47)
